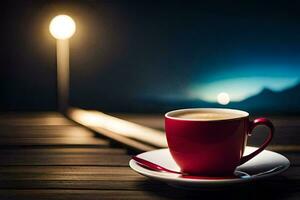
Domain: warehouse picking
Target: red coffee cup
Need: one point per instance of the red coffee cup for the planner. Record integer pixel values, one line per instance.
(214, 146)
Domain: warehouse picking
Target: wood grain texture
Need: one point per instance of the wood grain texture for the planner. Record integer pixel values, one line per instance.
(33, 119)
(132, 135)
(46, 156)
(43, 151)
(101, 178)
(253, 192)
(44, 132)
(51, 141)
(87, 160)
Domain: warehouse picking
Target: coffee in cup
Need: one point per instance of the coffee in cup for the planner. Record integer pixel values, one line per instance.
(208, 115)
(211, 141)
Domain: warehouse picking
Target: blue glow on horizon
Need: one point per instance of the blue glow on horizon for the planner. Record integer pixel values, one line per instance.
(241, 88)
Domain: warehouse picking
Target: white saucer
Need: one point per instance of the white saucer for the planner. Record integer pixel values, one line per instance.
(264, 165)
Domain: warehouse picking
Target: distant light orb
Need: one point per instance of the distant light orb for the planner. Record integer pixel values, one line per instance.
(223, 98)
(62, 27)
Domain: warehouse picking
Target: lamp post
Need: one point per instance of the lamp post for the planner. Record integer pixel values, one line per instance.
(62, 28)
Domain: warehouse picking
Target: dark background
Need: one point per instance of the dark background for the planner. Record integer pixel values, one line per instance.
(152, 56)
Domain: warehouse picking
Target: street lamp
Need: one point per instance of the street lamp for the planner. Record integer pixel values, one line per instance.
(62, 27)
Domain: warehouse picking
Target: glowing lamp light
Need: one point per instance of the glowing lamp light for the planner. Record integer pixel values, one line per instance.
(223, 98)
(62, 27)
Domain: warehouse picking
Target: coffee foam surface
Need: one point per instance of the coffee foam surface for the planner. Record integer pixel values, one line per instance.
(207, 116)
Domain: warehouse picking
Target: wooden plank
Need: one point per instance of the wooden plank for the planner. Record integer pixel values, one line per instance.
(62, 151)
(138, 185)
(58, 170)
(44, 132)
(71, 173)
(79, 184)
(101, 178)
(30, 114)
(108, 123)
(118, 130)
(69, 177)
(26, 157)
(95, 173)
(69, 170)
(151, 120)
(75, 194)
(100, 172)
(36, 119)
(36, 122)
(63, 159)
(247, 192)
(52, 141)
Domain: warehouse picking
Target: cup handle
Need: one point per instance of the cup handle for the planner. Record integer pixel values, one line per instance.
(252, 125)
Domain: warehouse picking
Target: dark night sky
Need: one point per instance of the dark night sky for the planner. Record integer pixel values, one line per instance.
(134, 50)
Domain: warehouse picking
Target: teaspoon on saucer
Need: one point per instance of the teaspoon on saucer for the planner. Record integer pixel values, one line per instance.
(238, 174)
(153, 166)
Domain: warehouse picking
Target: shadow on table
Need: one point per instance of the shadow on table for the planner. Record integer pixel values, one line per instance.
(281, 188)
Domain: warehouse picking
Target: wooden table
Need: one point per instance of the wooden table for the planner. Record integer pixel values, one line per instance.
(46, 156)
